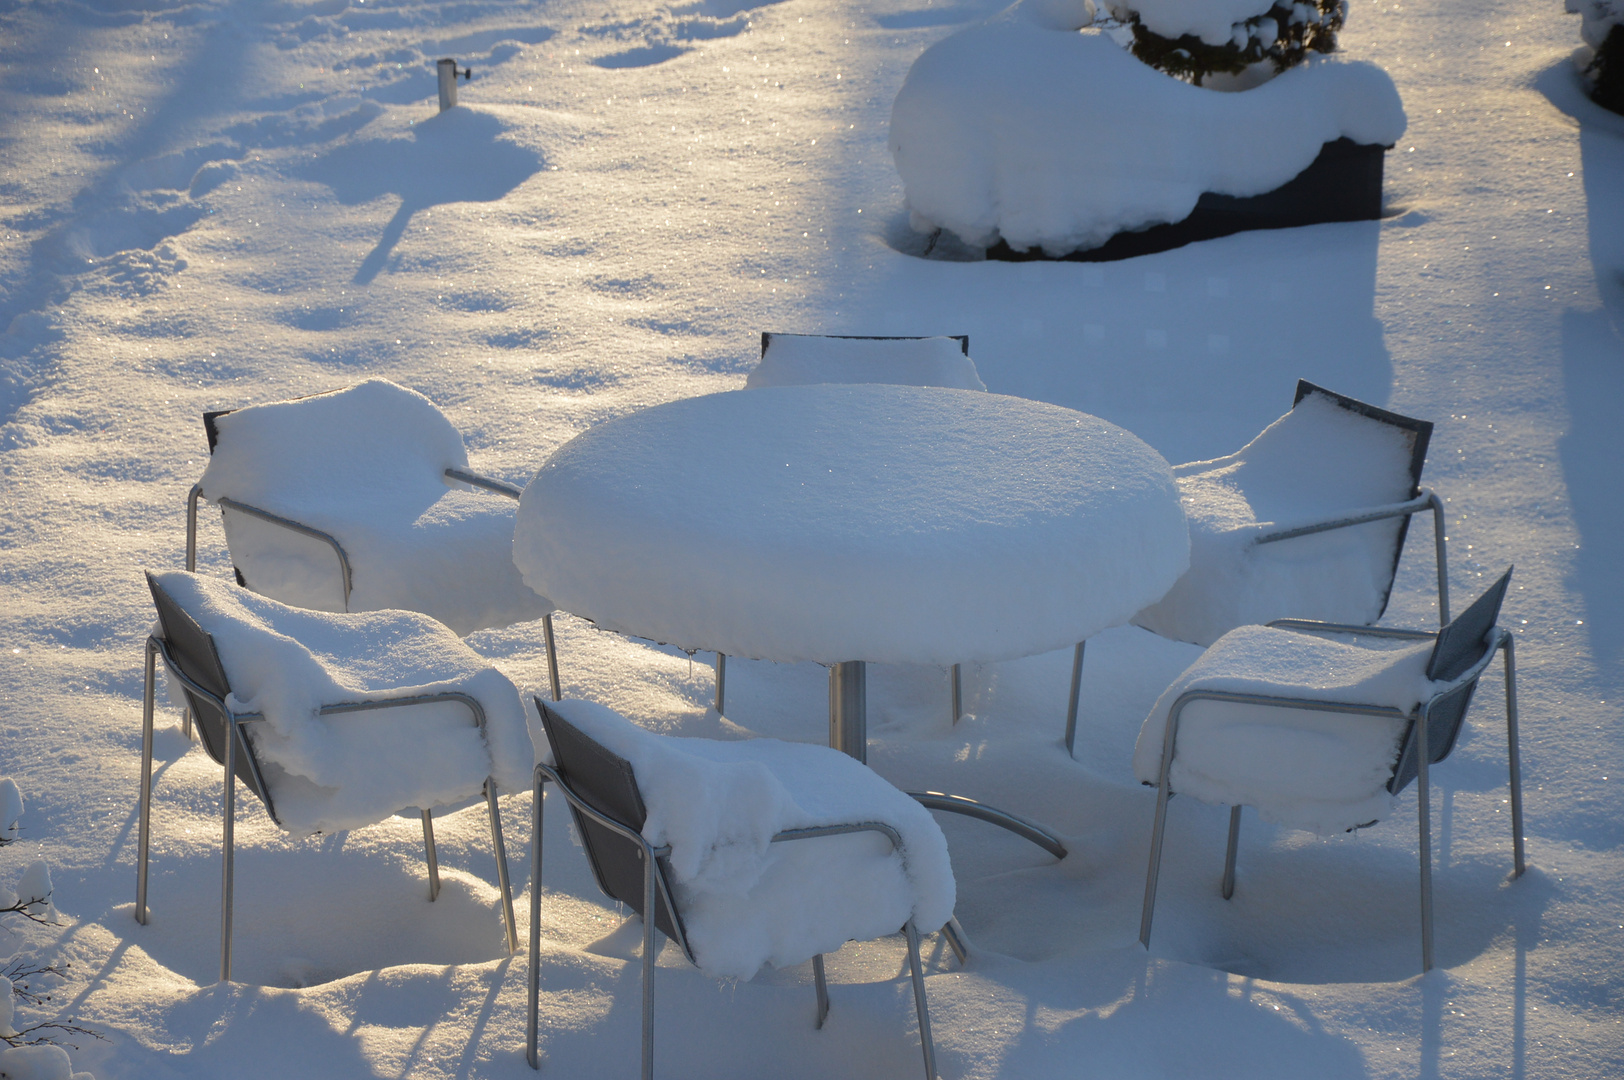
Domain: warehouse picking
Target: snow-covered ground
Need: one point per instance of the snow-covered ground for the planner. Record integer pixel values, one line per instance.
(213, 203)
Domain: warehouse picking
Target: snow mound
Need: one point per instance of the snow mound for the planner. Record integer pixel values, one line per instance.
(367, 464)
(11, 808)
(1319, 771)
(887, 523)
(747, 902)
(1313, 463)
(802, 359)
(1058, 139)
(40, 1061)
(327, 773)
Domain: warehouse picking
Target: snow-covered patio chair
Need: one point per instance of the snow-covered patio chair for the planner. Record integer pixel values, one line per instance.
(362, 500)
(1320, 725)
(1305, 521)
(700, 832)
(334, 721)
(805, 359)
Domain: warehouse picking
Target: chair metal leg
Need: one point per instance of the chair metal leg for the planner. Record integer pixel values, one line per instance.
(233, 733)
(821, 985)
(1229, 853)
(1437, 506)
(957, 681)
(953, 934)
(1423, 795)
(552, 656)
(721, 680)
(649, 919)
(916, 969)
(501, 866)
(1514, 755)
(533, 975)
(1158, 828)
(1071, 707)
(191, 567)
(430, 855)
(144, 829)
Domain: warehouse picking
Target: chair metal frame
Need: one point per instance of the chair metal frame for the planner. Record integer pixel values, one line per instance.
(157, 646)
(465, 476)
(1498, 640)
(655, 879)
(1423, 501)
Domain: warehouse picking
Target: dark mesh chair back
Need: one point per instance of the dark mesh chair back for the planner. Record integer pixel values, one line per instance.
(1460, 645)
(193, 651)
(1417, 434)
(605, 782)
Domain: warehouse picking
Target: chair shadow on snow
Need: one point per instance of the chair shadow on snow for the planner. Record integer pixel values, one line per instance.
(456, 156)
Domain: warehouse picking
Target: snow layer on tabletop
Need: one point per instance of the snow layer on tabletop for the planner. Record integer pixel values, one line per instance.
(885, 523)
(799, 359)
(1303, 769)
(367, 465)
(1313, 463)
(746, 901)
(1026, 129)
(344, 771)
(1213, 21)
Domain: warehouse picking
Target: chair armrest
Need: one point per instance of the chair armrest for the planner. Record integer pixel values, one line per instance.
(1422, 502)
(303, 530)
(407, 700)
(840, 830)
(173, 668)
(473, 479)
(1314, 626)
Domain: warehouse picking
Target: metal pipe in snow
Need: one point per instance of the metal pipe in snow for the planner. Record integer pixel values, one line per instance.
(448, 81)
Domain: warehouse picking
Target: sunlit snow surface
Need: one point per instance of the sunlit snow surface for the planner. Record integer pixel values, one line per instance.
(210, 205)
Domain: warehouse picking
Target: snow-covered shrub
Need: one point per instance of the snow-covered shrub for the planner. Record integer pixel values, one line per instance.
(1602, 28)
(29, 1052)
(1195, 39)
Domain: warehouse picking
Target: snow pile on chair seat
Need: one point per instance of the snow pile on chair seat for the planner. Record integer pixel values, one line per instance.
(1026, 129)
(1313, 463)
(895, 524)
(799, 359)
(367, 465)
(343, 771)
(746, 901)
(1321, 771)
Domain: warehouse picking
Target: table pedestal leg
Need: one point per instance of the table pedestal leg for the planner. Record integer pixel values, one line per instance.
(848, 708)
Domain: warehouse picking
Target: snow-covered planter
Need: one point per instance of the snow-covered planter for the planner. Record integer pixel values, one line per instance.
(1602, 60)
(1038, 131)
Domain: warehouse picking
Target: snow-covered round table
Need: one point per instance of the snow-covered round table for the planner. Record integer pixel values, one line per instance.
(851, 523)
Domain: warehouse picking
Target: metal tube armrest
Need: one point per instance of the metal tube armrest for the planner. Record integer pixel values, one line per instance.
(406, 701)
(1314, 626)
(303, 530)
(477, 480)
(1425, 500)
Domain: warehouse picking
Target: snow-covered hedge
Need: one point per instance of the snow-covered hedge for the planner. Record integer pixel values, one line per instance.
(1602, 27)
(1194, 39)
(1025, 129)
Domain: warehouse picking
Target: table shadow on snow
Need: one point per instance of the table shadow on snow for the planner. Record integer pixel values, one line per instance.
(456, 156)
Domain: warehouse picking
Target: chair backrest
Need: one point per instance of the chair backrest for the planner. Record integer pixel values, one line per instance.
(192, 649)
(1459, 645)
(604, 781)
(802, 359)
(1414, 434)
(375, 441)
